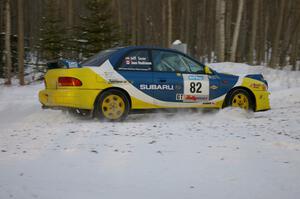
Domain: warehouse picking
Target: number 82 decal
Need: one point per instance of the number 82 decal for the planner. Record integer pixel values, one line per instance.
(195, 87)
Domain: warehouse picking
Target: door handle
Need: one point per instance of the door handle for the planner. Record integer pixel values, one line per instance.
(163, 80)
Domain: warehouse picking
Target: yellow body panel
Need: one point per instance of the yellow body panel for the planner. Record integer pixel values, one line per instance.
(260, 92)
(83, 99)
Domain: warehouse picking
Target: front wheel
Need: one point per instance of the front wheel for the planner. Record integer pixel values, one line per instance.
(241, 98)
(113, 105)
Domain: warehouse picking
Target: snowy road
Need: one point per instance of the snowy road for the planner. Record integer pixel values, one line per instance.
(220, 154)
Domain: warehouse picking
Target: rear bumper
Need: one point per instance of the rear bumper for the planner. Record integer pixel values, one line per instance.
(262, 100)
(83, 99)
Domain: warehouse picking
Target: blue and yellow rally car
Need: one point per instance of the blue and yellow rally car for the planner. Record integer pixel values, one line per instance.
(116, 81)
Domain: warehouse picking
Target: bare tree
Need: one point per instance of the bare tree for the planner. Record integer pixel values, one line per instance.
(21, 41)
(228, 28)
(8, 63)
(236, 31)
(134, 16)
(170, 25)
(164, 26)
(253, 31)
(70, 13)
(220, 29)
(275, 43)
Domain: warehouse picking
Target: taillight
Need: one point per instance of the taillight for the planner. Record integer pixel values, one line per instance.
(69, 81)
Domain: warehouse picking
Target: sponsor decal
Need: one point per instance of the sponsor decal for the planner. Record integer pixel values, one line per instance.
(195, 98)
(258, 86)
(137, 61)
(214, 87)
(135, 69)
(195, 77)
(179, 96)
(127, 60)
(191, 98)
(157, 87)
(213, 103)
(255, 85)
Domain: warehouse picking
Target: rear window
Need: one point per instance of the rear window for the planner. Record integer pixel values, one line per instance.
(98, 58)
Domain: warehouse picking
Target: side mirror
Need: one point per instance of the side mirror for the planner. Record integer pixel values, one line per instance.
(208, 71)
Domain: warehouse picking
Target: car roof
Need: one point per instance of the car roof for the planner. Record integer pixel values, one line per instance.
(121, 51)
(127, 48)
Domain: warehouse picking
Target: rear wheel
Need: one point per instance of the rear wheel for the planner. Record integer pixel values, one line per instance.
(241, 98)
(113, 105)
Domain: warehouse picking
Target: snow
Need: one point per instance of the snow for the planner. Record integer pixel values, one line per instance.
(177, 42)
(192, 154)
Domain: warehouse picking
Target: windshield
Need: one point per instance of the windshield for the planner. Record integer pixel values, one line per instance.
(98, 58)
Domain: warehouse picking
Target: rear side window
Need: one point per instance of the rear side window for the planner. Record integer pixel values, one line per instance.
(98, 58)
(138, 60)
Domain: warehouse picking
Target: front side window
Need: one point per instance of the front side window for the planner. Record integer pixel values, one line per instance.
(138, 60)
(166, 61)
(194, 66)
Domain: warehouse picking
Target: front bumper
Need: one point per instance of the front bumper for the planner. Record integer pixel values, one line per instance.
(262, 100)
(82, 99)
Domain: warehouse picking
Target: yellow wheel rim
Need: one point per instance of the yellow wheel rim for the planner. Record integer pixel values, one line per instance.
(240, 100)
(113, 107)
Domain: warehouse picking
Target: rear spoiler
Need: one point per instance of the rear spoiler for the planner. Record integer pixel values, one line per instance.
(62, 63)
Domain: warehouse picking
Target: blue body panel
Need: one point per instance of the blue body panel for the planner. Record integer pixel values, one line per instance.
(224, 82)
(147, 82)
(138, 78)
(174, 83)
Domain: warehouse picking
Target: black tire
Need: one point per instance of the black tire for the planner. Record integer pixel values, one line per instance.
(241, 92)
(100, 113)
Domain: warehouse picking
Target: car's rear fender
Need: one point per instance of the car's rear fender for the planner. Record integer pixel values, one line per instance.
(113, 88)
(89, 79)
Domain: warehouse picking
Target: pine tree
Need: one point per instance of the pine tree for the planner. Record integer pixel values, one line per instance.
(97, 30)
(51, 37)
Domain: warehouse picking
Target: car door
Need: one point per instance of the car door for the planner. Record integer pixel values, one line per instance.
(136, 68)
(167, 79)
(180, 78)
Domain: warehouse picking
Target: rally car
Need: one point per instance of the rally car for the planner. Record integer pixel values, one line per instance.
(115, 81)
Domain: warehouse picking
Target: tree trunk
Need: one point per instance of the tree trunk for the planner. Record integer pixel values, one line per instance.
(261, 33)
(266, 33)
(228, 28)
(236, 31)
(170, 25)
(275, 44)
(164, 24)
(21, 41)
(220, 30)
(8, 65)
(134, 16)
(253, 32)
(182, 21)
(293, 60)
(70, 14)
(188, 27)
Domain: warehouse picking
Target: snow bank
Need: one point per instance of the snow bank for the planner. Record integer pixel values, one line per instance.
(192, 154)
(277, 79)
